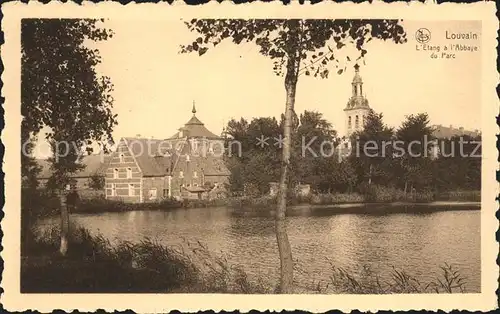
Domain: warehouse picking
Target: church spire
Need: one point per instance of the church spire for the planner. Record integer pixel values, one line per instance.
(194, 109)
(357, 83)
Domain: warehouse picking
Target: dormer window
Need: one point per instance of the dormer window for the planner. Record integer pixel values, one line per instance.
(115, 173)
(349, 124)
(188, 158)
(357, 121)
(122, 158)
(129, 173)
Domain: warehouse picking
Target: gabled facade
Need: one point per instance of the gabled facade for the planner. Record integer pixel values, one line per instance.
(186, 165)
(123, 176)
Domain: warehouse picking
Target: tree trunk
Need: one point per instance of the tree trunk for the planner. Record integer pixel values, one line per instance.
(63, 249)
(370, 175)
(285, 251)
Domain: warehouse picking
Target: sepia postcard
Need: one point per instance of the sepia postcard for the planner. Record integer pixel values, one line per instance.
(250, 157)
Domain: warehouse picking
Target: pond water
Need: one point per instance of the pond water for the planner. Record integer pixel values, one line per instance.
(418, 239)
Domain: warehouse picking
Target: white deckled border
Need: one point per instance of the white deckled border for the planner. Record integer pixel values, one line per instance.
(14, 301)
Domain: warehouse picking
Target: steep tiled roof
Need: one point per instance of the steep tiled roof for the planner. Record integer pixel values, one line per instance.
(214, 166)
(163, 159)
(154, 157)
(441, 131)
(94, 165)
(195, 128)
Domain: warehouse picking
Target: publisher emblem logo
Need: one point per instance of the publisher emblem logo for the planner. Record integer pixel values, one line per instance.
(423, 35)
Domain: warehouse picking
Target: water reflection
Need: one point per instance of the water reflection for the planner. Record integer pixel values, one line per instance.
(418, 241)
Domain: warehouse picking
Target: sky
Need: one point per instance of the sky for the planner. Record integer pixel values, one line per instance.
(155, 85)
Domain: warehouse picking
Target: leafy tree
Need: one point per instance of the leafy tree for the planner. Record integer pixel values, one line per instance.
(458, 164)
(296, 47)
(314, 159)
(372, 153)
(61, 92)
(258, 164)
(414, 153)
(29, 168)
(96, 182)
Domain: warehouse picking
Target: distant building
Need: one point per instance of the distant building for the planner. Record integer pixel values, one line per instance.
(94, 167)
(441, 131)
(189, 164)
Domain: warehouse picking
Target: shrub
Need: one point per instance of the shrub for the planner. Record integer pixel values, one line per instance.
(464, 196)
(338, 198)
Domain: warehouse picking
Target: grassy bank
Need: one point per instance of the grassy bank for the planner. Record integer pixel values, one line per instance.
(375, 194)
(44, 204)
(95, 265)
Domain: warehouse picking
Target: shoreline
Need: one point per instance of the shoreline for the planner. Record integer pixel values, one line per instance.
(368, 207)
(392, 204)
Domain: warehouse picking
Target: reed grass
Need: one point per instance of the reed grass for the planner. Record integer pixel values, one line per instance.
(93, 264)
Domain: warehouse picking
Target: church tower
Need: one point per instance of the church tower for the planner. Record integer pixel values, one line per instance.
(357, 108)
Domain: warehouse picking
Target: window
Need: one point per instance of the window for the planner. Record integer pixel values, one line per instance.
(357, 122)
(349, 125)
(152, 194)
(195, 174)
(122, 158)
(195, 184)
(181, 174)
(113, 189)
(166, 193)
(115, 173)
(131, 190)
(129, 173)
